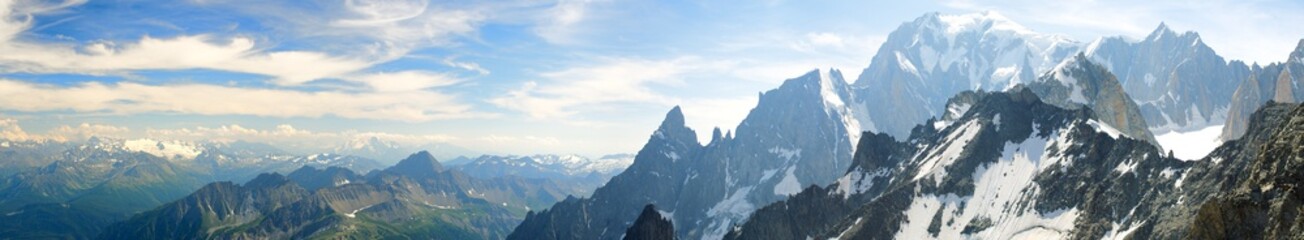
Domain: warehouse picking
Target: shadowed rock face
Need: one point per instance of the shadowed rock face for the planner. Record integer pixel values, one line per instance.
(1268, 203)
(1076, 182)
(650, 226)
(1080, 82)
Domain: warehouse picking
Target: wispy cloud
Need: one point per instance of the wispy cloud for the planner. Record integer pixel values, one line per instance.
(567, 92)
(559, 23)
(131, 98)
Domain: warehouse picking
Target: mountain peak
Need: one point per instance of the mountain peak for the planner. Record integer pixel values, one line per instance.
(418, 164)
(673, 127)
(674, 118)
(981, 21)
(1298, 54)
(1164, 32)
(267, 180)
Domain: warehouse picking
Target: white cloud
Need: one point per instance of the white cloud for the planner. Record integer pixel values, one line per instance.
(452, 61)
(9, 129)
(559, 23)
(412, 80)
(402, 25)
(238, 54)
(84, 131)
(615, 81)
(130, 98)
(185, 52)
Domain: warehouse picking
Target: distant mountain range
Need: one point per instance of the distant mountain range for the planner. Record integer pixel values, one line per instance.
(75, 189)
(390, 151)
(417, 198)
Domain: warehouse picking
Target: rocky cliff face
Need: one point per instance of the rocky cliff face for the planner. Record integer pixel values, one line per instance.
(800, 134)
(1279, 82)
(650, 226)
(1079, 82)
(1267, 202)
(1180, 83)
(1011, 167)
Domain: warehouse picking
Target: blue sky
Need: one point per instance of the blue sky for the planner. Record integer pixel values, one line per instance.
(517, 77)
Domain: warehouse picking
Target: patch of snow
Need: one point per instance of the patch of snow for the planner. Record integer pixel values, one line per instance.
(1005, 72)
(996, 121)
(787, 154)
(355, 211)
(954, 145)
(1115, 234)
(1126, 166)
(734, 206)
(858, 182)
(958, 110)
(905, 64)
(789, 185)
(673, 156)
(1192, 145)
(1105, 128)
(767, 174)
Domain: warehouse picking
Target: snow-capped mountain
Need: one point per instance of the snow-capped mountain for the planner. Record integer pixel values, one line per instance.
(1180, 83)
(390, 152)
(1012, 167)
(802, 133)
(926, 61)
(172, 150)
(796, 136)
(547, 166)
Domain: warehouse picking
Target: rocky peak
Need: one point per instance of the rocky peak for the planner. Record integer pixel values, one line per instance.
(1297, 56)
(1079, 82)
(673, 128)
(650, 225)
(418, 164)
(267, 180)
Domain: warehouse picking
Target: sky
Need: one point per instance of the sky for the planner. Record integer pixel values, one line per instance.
(588, 77)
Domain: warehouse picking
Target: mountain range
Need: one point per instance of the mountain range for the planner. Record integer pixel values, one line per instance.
(416, 198)
(810, 127)
(961, 126)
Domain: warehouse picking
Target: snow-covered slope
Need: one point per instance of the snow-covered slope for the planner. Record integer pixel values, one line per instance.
(1013, 168)
(926, 61)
